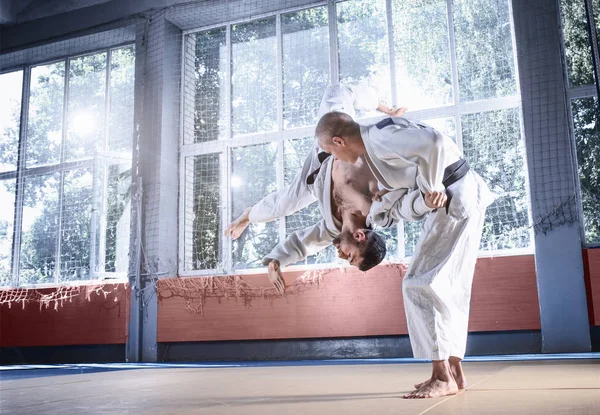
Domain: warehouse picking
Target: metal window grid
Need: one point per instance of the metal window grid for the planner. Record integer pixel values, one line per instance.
(224, 147)
(22, 172)
(573, 93)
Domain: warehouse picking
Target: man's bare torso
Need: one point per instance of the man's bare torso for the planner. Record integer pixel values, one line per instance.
(352, 188)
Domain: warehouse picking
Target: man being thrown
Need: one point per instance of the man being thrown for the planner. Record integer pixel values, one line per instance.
(344, 191)
(433, 182)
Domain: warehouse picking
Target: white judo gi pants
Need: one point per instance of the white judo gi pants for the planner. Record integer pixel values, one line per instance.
(437, 285)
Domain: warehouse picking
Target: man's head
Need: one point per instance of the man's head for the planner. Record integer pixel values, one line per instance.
(362, 248)
(339, 135)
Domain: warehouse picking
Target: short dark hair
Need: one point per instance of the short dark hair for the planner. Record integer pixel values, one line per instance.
(335, 124)
(373, 250)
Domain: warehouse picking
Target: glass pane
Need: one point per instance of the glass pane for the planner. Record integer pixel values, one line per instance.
(202, 212)
(423, 68)
(206, 71)
(7, 195)
(295, 152)
(254, 77)
(390, 235)
(305, 65)
(253, 177)
(484, 52)
(75, 229)
(86, 106)
(11, 85)
(44, 125)
(111, 215)
(40, 228)
(578, 50)
(494, 148)
(363, 45)
(122, 81)
(587, 140)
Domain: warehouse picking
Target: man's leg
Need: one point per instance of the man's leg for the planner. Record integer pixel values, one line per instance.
(442, 383)
(436, 292)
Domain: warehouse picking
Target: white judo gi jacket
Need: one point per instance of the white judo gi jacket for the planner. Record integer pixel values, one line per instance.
(410, 158)
(299, 193)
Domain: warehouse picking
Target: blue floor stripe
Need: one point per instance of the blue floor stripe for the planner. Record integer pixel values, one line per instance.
(101, 367)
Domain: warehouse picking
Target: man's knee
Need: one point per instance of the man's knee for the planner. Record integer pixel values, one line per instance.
(416, 287)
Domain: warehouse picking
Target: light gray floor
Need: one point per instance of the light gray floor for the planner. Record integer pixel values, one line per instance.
(517, 387)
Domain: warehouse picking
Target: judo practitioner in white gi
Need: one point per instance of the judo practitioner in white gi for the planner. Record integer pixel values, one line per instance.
(430, 180)
(344, 192)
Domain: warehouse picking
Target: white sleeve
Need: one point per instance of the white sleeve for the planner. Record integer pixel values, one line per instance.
(290, 198)
(401, 204)
(301, 244)
(337, 98)
(347, 99)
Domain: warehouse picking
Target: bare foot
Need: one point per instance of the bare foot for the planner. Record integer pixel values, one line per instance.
(420, 385)
(235, 229)
(275, 276)
(457, 372)
(434, 389)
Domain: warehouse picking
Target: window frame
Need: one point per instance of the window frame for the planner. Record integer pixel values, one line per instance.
(573, 93)
(21, 173)
(223, 146)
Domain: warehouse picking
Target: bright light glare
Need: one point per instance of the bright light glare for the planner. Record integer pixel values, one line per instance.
(83, 123)
(236, 182)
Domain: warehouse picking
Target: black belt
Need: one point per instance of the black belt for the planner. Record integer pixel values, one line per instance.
(452, 174)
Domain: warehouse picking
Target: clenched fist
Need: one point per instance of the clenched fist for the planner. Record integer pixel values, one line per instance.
(436, 200)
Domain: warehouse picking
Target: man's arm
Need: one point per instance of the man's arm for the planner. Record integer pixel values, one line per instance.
(296, 247)
(301, 244)
(404, 204)
(282, 202)
(290, 198)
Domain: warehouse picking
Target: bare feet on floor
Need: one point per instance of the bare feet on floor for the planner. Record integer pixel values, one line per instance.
(420, 385)
(238, 226)
(457, 373)
(434, 388)
(442, 382)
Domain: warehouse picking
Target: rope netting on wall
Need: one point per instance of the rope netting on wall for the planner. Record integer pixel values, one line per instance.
(58, 296)
(195, 292)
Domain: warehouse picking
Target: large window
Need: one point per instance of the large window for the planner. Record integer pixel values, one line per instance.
(584, 110)
(251, 92)
(65, 171)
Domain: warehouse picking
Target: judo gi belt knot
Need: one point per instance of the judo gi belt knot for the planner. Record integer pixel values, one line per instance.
(452, 174)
